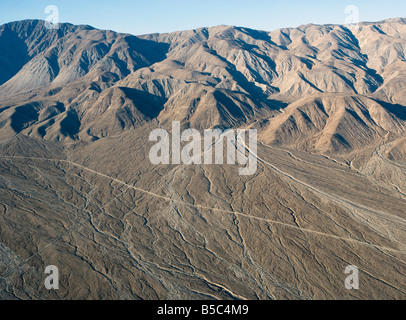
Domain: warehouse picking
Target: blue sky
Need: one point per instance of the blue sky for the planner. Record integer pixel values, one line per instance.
(149, 16)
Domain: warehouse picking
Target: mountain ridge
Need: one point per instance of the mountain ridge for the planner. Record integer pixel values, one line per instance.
(224, 76)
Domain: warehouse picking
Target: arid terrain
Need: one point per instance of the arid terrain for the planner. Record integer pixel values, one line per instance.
(78, 190)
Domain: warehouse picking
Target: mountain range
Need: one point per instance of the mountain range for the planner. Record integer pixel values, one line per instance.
(301, 87)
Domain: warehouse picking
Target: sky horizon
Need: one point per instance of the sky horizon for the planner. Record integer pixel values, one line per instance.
(160, 16)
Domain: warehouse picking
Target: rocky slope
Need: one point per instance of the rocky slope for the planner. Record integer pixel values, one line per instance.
(224, 76)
